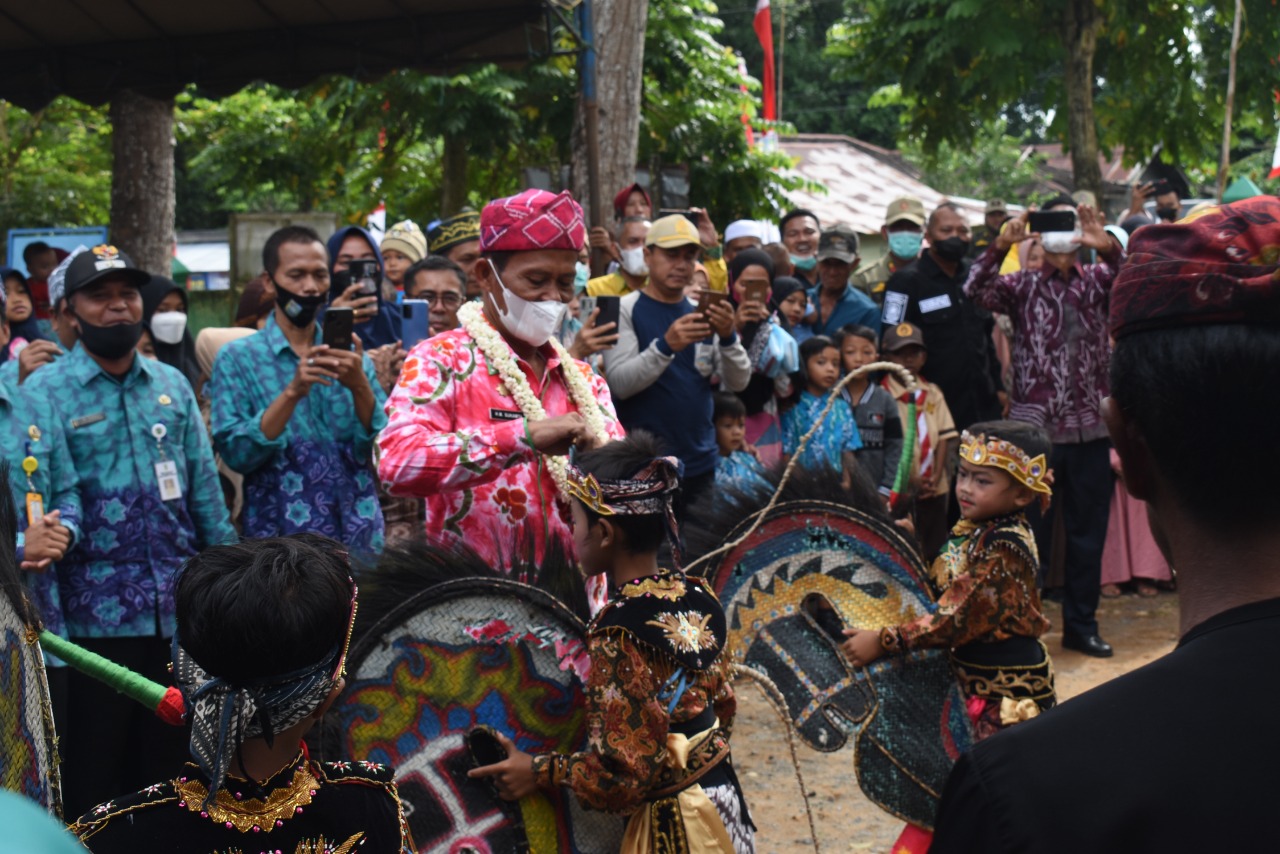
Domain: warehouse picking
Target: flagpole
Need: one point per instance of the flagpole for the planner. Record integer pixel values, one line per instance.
(1225, 163)
(782, 49)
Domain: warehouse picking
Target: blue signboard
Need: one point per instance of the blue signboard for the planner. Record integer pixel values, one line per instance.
(58, 238)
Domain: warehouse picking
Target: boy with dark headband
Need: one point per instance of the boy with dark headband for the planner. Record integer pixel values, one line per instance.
(259, 654)
(659, 704)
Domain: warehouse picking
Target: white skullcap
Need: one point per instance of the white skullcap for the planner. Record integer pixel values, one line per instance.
(743, 228)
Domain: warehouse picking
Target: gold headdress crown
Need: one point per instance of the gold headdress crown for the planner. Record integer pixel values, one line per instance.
(586, 489)
(1004, 455)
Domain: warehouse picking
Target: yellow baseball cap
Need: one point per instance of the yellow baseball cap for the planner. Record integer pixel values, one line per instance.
(672, 231)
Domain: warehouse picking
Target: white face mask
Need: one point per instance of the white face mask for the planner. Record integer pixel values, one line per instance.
(633, 261)
(531, 322)
(1060, 242)
(167, 326)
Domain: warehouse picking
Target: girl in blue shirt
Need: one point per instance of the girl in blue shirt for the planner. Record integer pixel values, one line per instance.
(836, 439)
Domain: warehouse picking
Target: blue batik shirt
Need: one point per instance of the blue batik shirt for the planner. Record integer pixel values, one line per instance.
(317, 475)
(740, 471)
(837, 434)
(119, 579)
(32, 429)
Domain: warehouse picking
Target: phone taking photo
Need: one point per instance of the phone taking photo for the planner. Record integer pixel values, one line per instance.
(364, 272)
(706, 299)
(338, 325)
(415, 322)
(757, 292)
(1041, 222)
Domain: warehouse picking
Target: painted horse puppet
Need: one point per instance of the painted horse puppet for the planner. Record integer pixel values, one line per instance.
(803, 571)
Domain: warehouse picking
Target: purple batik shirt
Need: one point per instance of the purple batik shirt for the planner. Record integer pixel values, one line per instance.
(1061, 350)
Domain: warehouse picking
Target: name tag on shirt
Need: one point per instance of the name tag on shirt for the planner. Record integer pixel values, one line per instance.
(504, 415)
(86, 420)
(167, 477)
(935, 303)
(895, 308)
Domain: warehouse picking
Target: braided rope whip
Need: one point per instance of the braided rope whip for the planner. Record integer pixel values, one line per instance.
(904, 463)
(775, 699)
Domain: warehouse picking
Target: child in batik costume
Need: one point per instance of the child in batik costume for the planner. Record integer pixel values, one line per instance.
(659, 704)
(988, 611)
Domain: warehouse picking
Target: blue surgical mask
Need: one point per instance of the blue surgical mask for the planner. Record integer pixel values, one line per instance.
(905, 244)
(580, 276)
(805, 264)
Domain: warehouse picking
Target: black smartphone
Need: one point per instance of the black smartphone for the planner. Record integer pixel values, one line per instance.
(610, 309)
(338, 324)
(687, 214)
(364, 272)
(1040, 222)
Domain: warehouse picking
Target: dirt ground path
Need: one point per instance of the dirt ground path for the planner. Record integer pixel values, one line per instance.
(1139, 629)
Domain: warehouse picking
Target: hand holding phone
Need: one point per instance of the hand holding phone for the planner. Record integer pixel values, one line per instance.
(415, 325)
(338, 324)
(707, 298)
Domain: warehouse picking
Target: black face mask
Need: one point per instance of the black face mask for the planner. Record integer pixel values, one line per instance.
(1167, 214)
(109, 342)
(951, 249)
(299, 309)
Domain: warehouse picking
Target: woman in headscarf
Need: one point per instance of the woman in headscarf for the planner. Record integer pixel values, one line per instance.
(164, 314)
(771, 349)
(256, 303)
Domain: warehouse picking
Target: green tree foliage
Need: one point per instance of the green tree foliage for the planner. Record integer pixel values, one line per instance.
(996, 165)
(1160, 70)
(693, 104)
(56, 165)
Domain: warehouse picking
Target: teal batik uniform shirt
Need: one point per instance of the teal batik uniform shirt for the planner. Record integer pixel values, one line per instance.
(119, 580)
(32, 429)
(316, 476)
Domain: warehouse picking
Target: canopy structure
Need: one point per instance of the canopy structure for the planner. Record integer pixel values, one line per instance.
(90, 50)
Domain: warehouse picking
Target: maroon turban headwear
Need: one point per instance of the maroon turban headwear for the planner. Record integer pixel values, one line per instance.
(534, 219)
(1219, 266)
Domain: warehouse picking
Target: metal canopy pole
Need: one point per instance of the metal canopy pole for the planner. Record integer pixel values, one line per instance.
(591, 128)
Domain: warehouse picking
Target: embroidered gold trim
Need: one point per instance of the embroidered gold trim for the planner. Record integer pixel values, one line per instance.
(1033, 682)
(687, 631)
(244, 815)
(665, 587)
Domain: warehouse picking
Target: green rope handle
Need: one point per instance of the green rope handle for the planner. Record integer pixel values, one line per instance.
(903, 477)
(166, 703)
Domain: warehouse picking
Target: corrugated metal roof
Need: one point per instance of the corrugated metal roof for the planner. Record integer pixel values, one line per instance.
(861, 181)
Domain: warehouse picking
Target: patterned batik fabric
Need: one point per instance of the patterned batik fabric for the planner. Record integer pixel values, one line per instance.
(305, 808)
(836, 435)
(32, 429)
(654, 635)
(1061, 346)
(729, 805)
(532, 220)
(1221, 265)
(315, 477)
(118, 581)
(985, 579)
(456, 437)
(740, 471)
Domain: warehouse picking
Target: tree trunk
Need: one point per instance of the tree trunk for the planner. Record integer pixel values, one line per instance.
(619, 41)
(453, 189)
(1080, 39)
(142, 186)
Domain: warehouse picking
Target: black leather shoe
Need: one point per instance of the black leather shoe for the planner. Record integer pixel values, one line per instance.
(1088, 644)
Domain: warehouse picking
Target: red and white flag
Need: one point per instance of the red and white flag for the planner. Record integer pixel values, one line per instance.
(1275, 161)
(763, 26)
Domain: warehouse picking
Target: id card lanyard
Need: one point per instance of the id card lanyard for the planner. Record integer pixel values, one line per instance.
(35, 501)
(166, 469)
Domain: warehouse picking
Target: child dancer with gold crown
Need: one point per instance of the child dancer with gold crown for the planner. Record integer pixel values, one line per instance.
(988, 611)
(988, 607)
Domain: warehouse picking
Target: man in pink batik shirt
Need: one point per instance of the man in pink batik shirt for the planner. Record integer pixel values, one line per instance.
(482, 417)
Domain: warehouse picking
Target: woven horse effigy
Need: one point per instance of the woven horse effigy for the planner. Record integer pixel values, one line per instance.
(905, 715)
(429, 666)
(28, 762)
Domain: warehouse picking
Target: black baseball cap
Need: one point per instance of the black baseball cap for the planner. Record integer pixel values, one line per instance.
(102, 262)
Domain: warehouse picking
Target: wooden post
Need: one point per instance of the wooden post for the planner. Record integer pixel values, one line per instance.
(142, 185)
(1224, 165)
